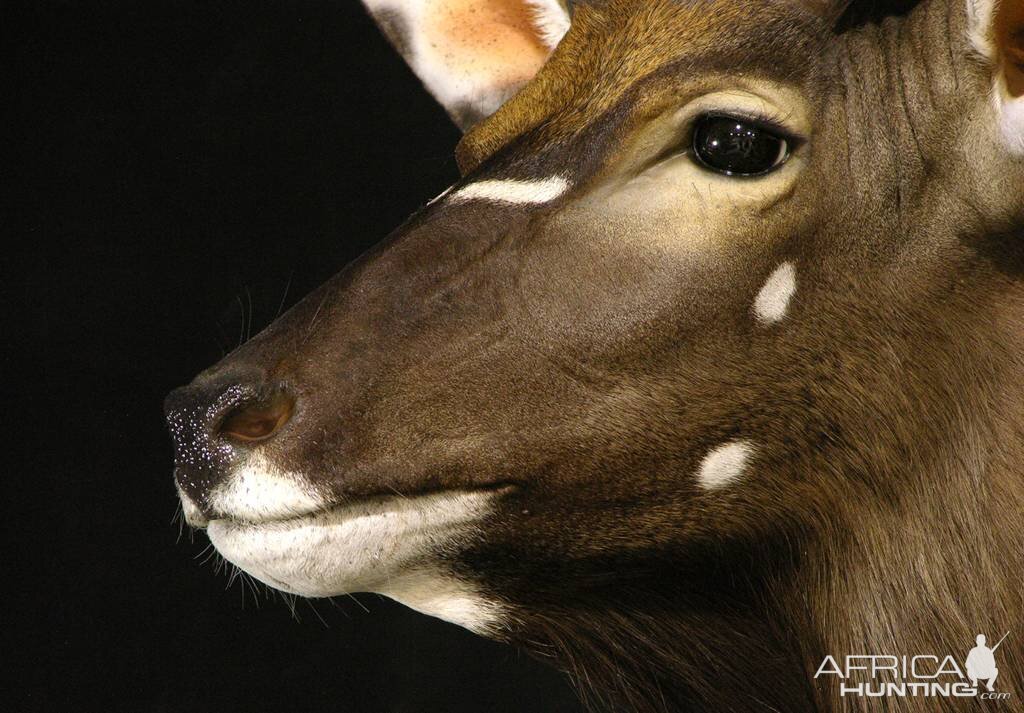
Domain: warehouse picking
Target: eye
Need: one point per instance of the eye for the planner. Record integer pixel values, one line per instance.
(738, 147)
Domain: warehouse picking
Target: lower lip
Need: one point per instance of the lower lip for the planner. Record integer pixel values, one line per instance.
(358, 508)
(354, 547)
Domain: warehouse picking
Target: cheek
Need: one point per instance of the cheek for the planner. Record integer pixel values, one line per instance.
(601, 282)
(679, 191)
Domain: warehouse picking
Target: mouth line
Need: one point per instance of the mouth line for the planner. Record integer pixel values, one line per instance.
(357, 504)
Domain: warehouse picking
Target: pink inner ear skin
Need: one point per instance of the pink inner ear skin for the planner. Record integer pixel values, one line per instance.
(1009, 32)
(494, 38)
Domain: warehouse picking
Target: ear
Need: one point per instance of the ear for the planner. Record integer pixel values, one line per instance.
(472, 55)
(997, 34)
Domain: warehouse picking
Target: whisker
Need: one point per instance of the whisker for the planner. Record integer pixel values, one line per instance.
(248, 322)
(220, 564)
(291, 602)
(322, 620)
(209, 557)
(396, 492)
(361, 605)
(287, 287)
(241, 324)
(179, 518)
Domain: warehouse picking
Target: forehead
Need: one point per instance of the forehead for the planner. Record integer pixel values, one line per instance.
(616, 46)
(633, 37)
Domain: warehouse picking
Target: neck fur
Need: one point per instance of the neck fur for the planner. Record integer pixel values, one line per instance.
(915, 547)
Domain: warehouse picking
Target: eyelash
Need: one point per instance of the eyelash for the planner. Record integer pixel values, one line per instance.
(773, 123)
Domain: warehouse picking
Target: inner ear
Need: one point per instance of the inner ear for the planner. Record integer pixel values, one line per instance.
(494, 46)
(472, 55)
(1009, 39)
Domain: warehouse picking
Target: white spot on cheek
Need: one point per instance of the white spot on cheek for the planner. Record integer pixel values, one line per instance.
(724, 464)
(542, 190)
(772, 302)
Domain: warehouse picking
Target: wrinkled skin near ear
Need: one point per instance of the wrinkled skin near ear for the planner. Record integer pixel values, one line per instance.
(472, 55)
(997, 34)
(829, 10)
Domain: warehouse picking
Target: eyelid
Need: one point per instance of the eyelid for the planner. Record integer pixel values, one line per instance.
(761, 121)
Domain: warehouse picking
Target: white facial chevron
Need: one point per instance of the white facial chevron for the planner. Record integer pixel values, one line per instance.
(542, 190)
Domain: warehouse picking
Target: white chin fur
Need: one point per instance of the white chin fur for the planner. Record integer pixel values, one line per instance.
(259, 491)
(445, 597)
(385, 545)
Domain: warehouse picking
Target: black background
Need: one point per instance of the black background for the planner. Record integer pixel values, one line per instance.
(181, 171)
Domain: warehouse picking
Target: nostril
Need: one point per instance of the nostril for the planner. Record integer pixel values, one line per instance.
(257, 420)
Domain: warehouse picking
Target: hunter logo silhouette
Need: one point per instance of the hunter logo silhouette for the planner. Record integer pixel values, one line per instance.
(981, 662)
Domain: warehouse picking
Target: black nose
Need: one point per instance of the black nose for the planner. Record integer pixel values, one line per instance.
(214, 421)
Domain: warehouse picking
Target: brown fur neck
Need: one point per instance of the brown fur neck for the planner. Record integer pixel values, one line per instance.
(914, 548)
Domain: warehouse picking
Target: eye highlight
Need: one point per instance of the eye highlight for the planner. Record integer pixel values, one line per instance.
(736, 146)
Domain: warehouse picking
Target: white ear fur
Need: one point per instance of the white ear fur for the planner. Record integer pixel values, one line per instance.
(552, 20)
(981, 23)
(472, 55)
(1011, 118)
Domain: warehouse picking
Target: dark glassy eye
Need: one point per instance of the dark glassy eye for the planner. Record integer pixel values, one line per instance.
(737, 147)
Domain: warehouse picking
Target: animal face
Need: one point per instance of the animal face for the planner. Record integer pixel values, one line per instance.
(711, 275)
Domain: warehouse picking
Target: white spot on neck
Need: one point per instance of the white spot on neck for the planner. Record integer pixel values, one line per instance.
(724, 464)
(772, 302)
(542, 190)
